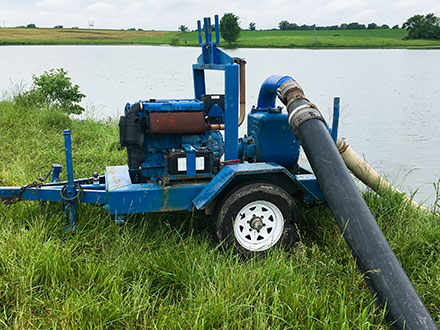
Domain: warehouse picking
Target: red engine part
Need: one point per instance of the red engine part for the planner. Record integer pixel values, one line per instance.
(177, 122)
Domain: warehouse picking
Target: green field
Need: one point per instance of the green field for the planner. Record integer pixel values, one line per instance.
(391, 38)
(166, 271)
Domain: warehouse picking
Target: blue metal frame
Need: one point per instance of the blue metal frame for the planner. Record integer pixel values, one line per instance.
(306, 182)
(335, 124)
(213, 58)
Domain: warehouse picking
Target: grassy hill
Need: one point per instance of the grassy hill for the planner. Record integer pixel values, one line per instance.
(380, 38)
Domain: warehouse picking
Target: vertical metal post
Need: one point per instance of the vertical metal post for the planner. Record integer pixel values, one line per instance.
(217, 30)
(207, 23)
(335, 123)
(71, 187)
(199, 30)
(56, 170)
(231, 112)
(190, 160)
(199, 83)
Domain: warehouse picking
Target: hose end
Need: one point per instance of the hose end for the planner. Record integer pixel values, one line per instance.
(300, 114)
(290, 90)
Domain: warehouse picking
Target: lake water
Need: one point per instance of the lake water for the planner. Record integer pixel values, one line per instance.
(390, 99)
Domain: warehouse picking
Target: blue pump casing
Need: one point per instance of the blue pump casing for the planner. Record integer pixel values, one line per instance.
(269, 139)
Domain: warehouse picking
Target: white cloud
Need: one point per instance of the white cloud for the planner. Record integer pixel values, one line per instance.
(168, 14)
(101, 8)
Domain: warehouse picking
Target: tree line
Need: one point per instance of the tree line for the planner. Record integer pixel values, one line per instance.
(286, 25)
(418, 27)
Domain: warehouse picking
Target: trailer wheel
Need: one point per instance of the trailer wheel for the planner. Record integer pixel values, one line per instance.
(256, 217)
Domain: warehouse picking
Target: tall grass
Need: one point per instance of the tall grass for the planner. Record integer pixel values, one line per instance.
(165, 271)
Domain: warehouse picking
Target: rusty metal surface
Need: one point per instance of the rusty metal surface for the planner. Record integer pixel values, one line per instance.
(242, 64)
(177, 122)
(117, 177)
(215, 127)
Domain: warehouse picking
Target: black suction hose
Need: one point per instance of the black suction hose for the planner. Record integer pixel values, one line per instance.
(381, 270)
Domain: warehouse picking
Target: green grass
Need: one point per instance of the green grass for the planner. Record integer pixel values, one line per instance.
(282, 39)
(166, 271)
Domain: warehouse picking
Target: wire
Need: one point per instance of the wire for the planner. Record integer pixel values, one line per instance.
(77, 197)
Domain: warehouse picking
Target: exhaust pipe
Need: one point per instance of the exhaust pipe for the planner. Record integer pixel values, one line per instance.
(381, 270)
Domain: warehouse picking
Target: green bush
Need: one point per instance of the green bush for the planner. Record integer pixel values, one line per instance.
(175, 41)
(53, 89)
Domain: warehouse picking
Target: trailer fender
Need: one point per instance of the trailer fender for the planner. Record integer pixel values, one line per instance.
(307, 184)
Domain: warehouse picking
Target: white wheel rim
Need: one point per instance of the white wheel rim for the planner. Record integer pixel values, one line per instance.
(258, 226)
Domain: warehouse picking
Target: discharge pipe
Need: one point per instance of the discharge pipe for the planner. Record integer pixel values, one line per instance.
(381, 270)
(364, 172)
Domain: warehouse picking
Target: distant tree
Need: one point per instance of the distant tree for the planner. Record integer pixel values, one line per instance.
(355, 26)
(385, 26)
(283, 25)
(31, 26)
(183, 28)
(343, 26)
(58, 27)
(252, 26)
(423, 27)
(372, 26)
(229, 28)
(396, 26)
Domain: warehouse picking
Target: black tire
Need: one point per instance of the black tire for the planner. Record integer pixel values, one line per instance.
(268, 218)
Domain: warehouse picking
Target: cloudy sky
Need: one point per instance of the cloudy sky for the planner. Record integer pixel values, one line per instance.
(168, 14)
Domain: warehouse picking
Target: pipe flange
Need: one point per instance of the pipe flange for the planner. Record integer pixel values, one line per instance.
(303, 113)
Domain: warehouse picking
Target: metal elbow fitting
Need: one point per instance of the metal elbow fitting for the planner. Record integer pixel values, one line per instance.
(298, 106)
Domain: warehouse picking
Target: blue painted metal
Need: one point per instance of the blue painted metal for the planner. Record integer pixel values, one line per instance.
(268, 90)
(335, 124)
(172, 105)
(229, 172)
(310, 187)
(190, 160)
(155, 147)
(199, 82)
(270, 139)
(56, 170)
(71, 187)
(51, 193)
(123, 197)
(231, 111)
(213, 58)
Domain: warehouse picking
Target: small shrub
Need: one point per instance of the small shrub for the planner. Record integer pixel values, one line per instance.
(53, 89)
(175, 41)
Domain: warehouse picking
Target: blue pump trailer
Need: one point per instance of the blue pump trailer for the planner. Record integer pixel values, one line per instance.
(180, 160)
